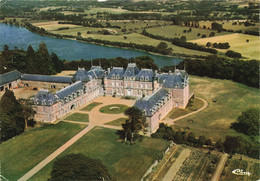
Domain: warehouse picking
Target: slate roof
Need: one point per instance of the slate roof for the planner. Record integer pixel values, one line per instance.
(148, 103)
(47, 78)
(44, 97)
(146, 75)
(81, 75)
(173, 80)
(131, 70)
(9, 77)
(65, 92)
(116, 72)
(98, 71)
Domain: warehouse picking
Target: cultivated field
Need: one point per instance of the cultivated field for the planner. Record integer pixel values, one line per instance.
(238, 42)
(198, 166)
(231, 99)
(53, 25)
(174, 31)
(124, 162)
(23, 152)
(251, 166)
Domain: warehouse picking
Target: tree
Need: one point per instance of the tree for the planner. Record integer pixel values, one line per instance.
(79, 33)
(79, 167)
(219, 145)
(248, 123)
(135, 123)
(231, 144)
(208, 44)
(11, 111)
(191, 138)
(202, 140)
(28, 113)
(183, 38)
(209, 142)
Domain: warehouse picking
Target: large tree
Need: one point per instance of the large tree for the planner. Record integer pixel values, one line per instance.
(135, 123)
(231, 144)
(79, 167)
(12, 122)
(248, 123)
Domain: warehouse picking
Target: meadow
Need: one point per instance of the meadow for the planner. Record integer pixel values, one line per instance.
(124, 161)
(230, 99)
(228, 25)
(23, 152)
(238, 42)
(174, 31)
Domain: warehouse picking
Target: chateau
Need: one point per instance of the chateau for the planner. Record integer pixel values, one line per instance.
(156, 93)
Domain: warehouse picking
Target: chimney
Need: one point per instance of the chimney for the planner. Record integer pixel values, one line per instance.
(108, 71)
(170, 71)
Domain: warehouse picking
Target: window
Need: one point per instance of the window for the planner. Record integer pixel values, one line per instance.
(117, 84)
(113, 83)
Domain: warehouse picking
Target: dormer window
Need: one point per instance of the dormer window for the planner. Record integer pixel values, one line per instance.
(113, 76)
(117, 76)
(146, 78)
(142, 78)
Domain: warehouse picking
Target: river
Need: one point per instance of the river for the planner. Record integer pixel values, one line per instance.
(20, 37)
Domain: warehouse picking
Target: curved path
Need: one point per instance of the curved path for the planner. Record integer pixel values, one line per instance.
(170, 121)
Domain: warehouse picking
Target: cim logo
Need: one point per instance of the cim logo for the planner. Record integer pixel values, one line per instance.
(240, 172)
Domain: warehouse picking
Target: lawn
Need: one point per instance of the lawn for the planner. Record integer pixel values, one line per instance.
(124, 162)
(113, 109)
(117, 122)
(23, 152)
(237, 42)
(192, 106)
(231, 99)
(78, 117)
(247, 166)
(91, 106)
(174, 31)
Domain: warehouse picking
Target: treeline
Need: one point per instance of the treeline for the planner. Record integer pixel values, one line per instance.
(34, 62)
(88, 24)
(245, 72)
(141, 62)
(180, 42)
(230, 145)
(147, 48)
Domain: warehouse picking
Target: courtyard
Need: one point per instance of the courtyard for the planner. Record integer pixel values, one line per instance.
(100, 111)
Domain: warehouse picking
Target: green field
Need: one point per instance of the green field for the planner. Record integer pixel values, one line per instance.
(238, 42)
(231, 99)
(78, 117)
(124, 162)
(113, 109)
(194, 106)
(133, 37)
(22, 153)
(174, 31)
(228, 25)
(117, 122)
(91, 106)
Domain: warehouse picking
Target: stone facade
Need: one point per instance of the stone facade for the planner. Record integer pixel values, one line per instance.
(157, 93)
(50, 107)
